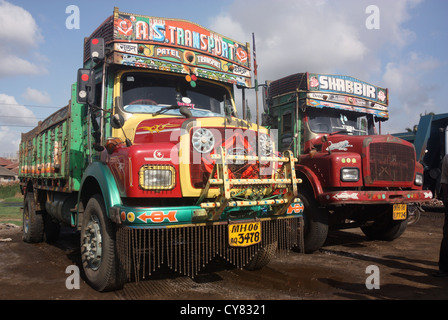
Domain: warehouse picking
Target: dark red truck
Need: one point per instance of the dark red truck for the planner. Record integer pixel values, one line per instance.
(353, 176)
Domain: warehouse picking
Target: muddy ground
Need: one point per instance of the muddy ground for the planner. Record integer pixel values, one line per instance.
(336, 272)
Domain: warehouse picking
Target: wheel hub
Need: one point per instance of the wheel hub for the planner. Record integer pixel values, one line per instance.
(92, 244)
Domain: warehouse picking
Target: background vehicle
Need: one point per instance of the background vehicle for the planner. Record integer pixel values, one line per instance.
(150, 162)
(430, 138)
(351, 175)
(431, 144)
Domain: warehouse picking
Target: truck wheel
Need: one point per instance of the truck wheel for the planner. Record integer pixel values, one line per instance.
(262, 257)
(315, 223)
(33, 223)
(98, 252)
(385, 228)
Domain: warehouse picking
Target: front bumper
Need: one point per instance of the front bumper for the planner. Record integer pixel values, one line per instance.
(185, 216)
(374, 197)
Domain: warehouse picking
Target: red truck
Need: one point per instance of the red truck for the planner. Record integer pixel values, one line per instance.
(353, 176)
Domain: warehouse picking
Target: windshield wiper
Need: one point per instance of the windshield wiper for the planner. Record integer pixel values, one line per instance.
(182, 109)
(340, 131)
(165, 109)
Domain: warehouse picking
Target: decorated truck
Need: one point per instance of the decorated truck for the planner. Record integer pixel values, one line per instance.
(151, 163)
(353, 176)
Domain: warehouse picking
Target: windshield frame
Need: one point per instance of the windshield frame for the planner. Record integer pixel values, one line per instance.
(151, 109)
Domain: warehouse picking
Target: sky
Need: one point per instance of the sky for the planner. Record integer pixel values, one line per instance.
(401, 45)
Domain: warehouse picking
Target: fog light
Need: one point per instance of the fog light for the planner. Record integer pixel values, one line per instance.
(349, 174)
(199, 214)
(156, 177)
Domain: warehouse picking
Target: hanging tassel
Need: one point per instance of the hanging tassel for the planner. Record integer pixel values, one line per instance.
(187, 250)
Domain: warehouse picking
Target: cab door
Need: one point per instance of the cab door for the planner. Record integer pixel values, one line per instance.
(284, 121)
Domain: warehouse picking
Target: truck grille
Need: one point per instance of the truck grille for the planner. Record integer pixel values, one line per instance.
(391, 162)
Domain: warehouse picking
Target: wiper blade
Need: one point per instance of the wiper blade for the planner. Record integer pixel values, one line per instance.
(165, 109)
(340, 131)
(182, 109)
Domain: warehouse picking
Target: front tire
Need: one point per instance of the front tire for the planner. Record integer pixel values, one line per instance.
(384, 227)
(98, 249)
(262, 257)
(315, 223)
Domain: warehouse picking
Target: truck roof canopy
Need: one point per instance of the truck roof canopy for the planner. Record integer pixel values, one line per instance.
(334, 91)
(174, 45)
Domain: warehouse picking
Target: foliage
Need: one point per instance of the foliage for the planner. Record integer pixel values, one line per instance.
(10, 204)
(9, 190)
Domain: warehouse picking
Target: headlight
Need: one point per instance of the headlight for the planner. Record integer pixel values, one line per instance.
(156, 177)
(418, 179)
(266, 145)
(203, 140)
(349, 174)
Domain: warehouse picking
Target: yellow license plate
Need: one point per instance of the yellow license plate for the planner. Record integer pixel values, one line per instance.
(400, 211)
(244, 234)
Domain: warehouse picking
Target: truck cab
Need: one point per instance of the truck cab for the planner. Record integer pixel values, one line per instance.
(352, 174)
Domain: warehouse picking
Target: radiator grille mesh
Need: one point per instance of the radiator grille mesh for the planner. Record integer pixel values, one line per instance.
(391, 162)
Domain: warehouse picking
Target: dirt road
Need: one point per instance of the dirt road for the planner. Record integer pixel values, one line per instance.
(338, 271)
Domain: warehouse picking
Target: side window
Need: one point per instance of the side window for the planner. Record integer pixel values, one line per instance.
(286, 122)
(362, 126)
(98, 88)
(286, 134)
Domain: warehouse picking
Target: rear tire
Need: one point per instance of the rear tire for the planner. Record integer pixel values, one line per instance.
(33, 223)
(98, 249)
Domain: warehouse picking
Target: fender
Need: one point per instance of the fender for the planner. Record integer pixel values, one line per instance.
(106, 181)
(311, 177)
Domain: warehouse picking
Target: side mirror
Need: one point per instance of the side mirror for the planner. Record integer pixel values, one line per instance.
(117, 121)
(85, 90)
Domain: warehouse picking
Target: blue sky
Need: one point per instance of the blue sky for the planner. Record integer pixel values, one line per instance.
(39, 56)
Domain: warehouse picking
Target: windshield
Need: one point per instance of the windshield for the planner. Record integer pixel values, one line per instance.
(150, 93)
(328, 120)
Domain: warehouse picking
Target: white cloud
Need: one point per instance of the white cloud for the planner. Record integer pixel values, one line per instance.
(36, 96)
(408, 84)
(15, 114)
(11, 65)
(327, 36)
(19, 34)
(17, 26)
(10, 141)
(317, 36)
